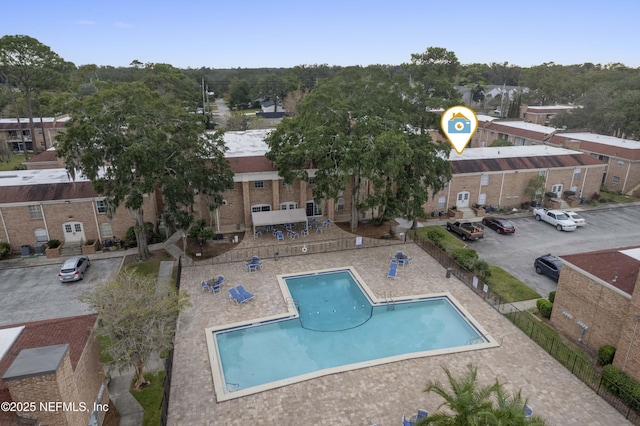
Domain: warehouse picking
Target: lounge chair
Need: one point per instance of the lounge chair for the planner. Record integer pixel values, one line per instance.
(528, 412)
(422, 414)
(244, 293)
(406, 422)
(393, 270)
(393, 259)
(233, 292)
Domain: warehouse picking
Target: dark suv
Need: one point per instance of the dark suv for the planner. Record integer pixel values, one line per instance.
(548, 265)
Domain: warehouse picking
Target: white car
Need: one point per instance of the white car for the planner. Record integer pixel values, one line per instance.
(576, 218)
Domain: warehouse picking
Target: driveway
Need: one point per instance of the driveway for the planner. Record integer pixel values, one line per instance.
(605, 229)
(35, 293)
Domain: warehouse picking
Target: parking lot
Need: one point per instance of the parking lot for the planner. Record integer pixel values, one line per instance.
(605, 229)
(35, 293)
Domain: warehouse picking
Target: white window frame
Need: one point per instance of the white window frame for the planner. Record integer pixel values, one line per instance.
(442, 202)
(289, 205)
(620, 163)
(576, 172)
(35, 212)
(258, 184)
(101, 206)
(484, 179)
(482, 199)
(260, 208)
(542, 173)
(340, 204)
(40, 235)
(106, 231)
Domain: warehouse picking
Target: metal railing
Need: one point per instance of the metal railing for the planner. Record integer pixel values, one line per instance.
(580, 366)
(168, 364)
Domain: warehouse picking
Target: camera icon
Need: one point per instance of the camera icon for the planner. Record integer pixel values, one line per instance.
(459, 125)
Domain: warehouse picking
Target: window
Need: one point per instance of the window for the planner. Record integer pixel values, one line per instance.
(616, 179)
(105, 230)
(542, 173)
(41, 235)
(519, 142)
(482, 199)
(442, 202)
(258, 184)
(313, 209)
(312, 180)
(261, 208)
(67, 228)
(101, 206)
(620, 163)
(484, 179)
(35, 212)
(576, 172)
(340, 204)
(288, 206)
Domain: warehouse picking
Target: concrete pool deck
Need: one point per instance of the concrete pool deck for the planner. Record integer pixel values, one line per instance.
(379, 394)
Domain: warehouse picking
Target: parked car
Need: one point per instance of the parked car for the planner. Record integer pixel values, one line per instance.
(73, 269)
(548, 265)
(466, 230)
(576, 218)
(556, 218)
(500, 225)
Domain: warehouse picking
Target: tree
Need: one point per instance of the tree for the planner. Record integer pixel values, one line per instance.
(273, 86)
(239, 94)
(130, 142)
(472, 405)
(535, 188)
(31, 66)
(136, 318)
(354, 129)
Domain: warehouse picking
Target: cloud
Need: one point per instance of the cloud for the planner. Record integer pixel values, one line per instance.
(123, 25)
(85, 22)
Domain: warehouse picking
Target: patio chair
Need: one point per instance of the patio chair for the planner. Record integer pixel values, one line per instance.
(318, 229)
(220, 279)
(233, 292)
(404, 260)
(305, 232)
(393, 270)
(327, 223)
(257, 234)
(280, 236)
(405, 421)
(215, 288)
(293, 234)
(422, 414)
(393, 259)
(244, 293)
(528, 412)
(251, 267)
(205, 286)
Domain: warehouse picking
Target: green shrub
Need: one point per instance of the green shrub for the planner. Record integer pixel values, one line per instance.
(544, 307)
(53, 243)
(5, 249)
(552, 296)
(606, 354)
(481, 269)
(622, 385)
(465, 257)
(551, 195)
(436, 235)
(569, 193)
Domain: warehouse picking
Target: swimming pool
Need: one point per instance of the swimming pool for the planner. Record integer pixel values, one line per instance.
(336, 324)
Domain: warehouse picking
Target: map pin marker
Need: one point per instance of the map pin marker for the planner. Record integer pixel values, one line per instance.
(459, 124)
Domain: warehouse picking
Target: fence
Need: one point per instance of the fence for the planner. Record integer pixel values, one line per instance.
(299, 248)
(168, 365)
(580, 366)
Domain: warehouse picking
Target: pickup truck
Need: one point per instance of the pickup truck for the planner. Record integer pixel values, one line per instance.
(466, 230)
(557, 218)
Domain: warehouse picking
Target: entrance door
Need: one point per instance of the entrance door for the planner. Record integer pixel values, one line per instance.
(557, 188)
(73, 232)
(463, 199)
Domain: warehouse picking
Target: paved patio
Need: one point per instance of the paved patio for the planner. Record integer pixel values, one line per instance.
(380, 394)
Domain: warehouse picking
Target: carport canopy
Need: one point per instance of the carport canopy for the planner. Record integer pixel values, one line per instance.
(278, 217)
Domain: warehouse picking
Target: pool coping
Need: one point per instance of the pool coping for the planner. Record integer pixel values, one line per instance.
(216, 369)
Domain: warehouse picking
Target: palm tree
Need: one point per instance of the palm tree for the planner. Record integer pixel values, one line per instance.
(469, 405)
(465, 401)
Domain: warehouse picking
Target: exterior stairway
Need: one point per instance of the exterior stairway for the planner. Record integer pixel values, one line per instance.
(71, 249)
(467, 212)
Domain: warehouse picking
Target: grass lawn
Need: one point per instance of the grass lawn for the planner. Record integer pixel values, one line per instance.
(150, 398)
(449, 242)
(509, 287)
(15, 161)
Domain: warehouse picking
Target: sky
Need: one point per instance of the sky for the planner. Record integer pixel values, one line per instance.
(286, 33)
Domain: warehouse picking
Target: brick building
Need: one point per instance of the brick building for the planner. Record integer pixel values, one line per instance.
(542, 114)
(499, 176)
(39, 205)
(517, 132)
(16, 133)
(52, 361)
(622, 157)
(596, 303)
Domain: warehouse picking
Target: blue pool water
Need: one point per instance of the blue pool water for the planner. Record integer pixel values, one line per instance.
(337, 326)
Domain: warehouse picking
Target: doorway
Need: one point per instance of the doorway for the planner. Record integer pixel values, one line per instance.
(463, 199)
(73, 232)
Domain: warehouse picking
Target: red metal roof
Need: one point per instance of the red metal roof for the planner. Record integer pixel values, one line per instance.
(522, 163)
(47, 192)
(516, 131)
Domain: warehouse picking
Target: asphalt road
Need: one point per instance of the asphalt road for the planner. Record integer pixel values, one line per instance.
(35, 293)
(605, 229)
